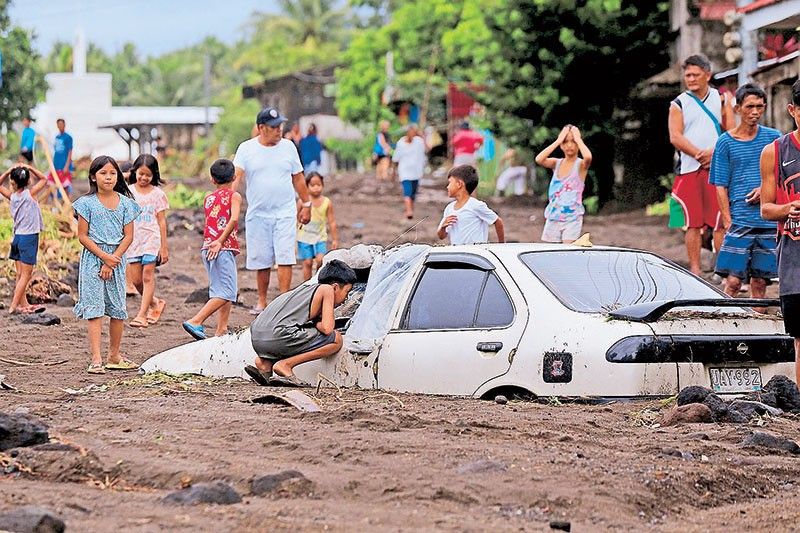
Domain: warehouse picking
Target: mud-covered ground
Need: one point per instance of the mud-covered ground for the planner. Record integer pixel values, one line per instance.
(373, 461)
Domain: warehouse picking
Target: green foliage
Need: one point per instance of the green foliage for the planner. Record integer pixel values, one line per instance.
(23, 77)
(182, 197)
(658, 209)
(347, 151)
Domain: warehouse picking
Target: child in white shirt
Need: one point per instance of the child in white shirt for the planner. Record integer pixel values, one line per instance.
(467, 219)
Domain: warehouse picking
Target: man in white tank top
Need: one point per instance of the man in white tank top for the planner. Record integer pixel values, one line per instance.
(697, 117)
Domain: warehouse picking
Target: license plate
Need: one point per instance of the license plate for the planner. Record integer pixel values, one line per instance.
(735, 379)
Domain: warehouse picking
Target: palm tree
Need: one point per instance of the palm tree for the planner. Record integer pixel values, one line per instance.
(302, 21)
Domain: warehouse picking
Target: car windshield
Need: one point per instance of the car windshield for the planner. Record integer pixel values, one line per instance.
(595, 281)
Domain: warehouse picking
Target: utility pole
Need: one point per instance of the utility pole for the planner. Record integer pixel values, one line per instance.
(749, 39)
(207, 89)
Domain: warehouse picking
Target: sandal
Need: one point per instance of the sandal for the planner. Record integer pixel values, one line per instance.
(257, 375)
(198, 332)
(138, 323)
(96, 368)
(154, 313)
(286, 381)
(122, 364)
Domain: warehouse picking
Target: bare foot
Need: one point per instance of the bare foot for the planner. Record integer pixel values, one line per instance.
(282, 369)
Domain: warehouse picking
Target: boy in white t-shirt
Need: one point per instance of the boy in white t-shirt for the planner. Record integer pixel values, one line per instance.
(467, 219)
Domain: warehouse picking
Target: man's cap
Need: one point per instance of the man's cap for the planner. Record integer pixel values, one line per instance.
(271, 117)
(464, 125)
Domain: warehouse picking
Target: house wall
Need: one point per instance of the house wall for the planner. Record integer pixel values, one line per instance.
(295, 97)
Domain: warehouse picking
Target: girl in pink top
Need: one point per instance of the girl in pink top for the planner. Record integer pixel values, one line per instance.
(149, 248)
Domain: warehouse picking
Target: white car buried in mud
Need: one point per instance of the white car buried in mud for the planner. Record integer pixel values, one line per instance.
(551, 320)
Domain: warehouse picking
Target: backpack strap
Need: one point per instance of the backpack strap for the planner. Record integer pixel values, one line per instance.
(707, 111)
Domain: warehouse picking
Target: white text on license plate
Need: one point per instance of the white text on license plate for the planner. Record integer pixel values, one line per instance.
(735, 379)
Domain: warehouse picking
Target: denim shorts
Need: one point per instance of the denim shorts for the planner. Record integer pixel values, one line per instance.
(410, 188)
(146, 259)
(222, 282)
(24, 248)
(310, 251)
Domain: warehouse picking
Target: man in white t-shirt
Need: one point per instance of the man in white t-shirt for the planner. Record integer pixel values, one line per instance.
(466, 220)
(410, 156)
(273, 174)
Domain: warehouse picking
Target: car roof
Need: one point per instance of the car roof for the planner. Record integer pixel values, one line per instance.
(521, 247)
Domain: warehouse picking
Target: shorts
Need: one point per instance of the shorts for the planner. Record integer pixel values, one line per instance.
(146, 259)
(222, 282)
(310, 251)
(748, 252)
(24, 248)
(410, 188)
(698, 199)
(315, 342)
(27, 155)
(465, 159)
(270, 241)
(790, 309)
(556, 231)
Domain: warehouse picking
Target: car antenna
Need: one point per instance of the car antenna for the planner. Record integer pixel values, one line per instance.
(407, 230)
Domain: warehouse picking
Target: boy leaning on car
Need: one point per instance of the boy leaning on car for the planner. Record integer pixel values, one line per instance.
(780, 201)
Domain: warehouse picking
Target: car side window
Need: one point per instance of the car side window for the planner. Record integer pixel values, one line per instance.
(457, 297)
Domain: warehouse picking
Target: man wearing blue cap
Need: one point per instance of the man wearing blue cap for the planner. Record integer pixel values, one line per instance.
(273, 174)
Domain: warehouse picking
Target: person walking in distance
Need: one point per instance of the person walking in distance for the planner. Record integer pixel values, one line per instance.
(271, 168)
(697, 117)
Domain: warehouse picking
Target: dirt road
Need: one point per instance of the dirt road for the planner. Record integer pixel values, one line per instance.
(373, 461)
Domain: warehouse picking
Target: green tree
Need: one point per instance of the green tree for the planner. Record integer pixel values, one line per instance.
(23, 77)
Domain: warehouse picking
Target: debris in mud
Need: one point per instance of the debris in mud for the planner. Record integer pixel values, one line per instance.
(197, 296)
(4, 385)
(293, 398)
(692, 413)
(183, 278)
(43, 290)
(65, 463)
(215, 492)
(18, 429)
(751, 408)
(500, 399)
(290, 483)
(65, 300)
(560, 525)
(481, 466)
(761, 439)
(31, 519)
(41, 319)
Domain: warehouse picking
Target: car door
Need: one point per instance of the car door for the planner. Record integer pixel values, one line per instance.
(459, 327)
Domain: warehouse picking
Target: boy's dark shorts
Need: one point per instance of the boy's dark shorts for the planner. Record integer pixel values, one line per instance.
(27, 155)
(319, 341)
(24, 248)
(790, 308)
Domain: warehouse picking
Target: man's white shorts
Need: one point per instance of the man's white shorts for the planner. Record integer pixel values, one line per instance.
(465, 159)
(270, 241)
(555, 231)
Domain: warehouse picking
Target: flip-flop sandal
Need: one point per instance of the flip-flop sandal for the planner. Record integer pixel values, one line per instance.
(123, 364)
(96, 369)
(286, 381)
(31, 309)
(256, 375)
(198, 332)
(138, 323)
(154, 314)
(256, 311)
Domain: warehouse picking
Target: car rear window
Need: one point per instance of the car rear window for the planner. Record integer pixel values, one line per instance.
(595, 281)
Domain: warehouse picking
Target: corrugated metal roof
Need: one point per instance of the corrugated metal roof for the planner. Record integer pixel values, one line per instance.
(155, 115)
(756, 5)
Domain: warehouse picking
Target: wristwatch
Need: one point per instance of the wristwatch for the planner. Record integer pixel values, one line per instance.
(307, 204)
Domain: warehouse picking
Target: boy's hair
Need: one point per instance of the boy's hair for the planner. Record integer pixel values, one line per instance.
(314, 175)
(20, 176)
(697, 60)
(796, 92)
(222, 171)
(467, 174)
(749, 89)
(336, 271)
(146, 160)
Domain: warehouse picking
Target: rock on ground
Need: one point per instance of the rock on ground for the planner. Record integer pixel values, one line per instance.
(65, 300)
(285, 483)
(787, 397)
(751, 408)
(197, 296)
(18, 430)
(215, 492)
(481, 466)
(692, 413)
(760, 439)
(31, 520)
(693, 394)
(41, 319)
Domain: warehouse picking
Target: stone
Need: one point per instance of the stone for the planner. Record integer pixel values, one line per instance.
(735, 417)
(65, 300)
(19, 429)
(30, 519)
(285, 483)
(41, 319)
(693, 394)
(183, 278)
(768, 398)
(787, 397)
(672, 452)
(692, 413)
(560, 525)
(698, 436)
(197, 296)
(214, 492)
(750, 408)
(500, 399)
(761, 439)
(719, 409)
(481, 466)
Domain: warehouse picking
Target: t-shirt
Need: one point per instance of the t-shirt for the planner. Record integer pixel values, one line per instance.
(698, 126)
(25, 213)
(310, 150)
(268, 172)
(61, 149)
(466, 142)
(217, 207)
(474, 219)
(106, 226)
(410, 158)
(146, 233)
(28, 139)
(316, 230)
(565, 195)
(736, 165)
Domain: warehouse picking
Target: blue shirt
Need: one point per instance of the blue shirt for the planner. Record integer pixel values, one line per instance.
(310, 150)
(61, 149)
(28, 139)
(736, 165)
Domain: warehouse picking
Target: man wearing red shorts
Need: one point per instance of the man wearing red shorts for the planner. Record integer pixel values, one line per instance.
(697, 117)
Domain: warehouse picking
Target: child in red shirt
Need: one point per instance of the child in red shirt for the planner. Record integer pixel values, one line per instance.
(220, 248)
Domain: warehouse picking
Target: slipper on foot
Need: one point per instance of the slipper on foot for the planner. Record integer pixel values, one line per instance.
(96, 368)
(257, 375)
(286, 381)
(198, 332)
(153, 314)
(122, 364)
(138, 323)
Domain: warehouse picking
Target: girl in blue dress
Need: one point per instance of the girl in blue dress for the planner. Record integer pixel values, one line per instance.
(105, 229)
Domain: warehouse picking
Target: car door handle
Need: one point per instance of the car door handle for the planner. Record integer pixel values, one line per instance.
(489, 346)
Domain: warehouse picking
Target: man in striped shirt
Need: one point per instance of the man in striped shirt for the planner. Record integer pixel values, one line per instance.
(748, 249)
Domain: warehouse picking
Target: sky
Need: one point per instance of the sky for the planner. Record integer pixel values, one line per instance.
(153, 26)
